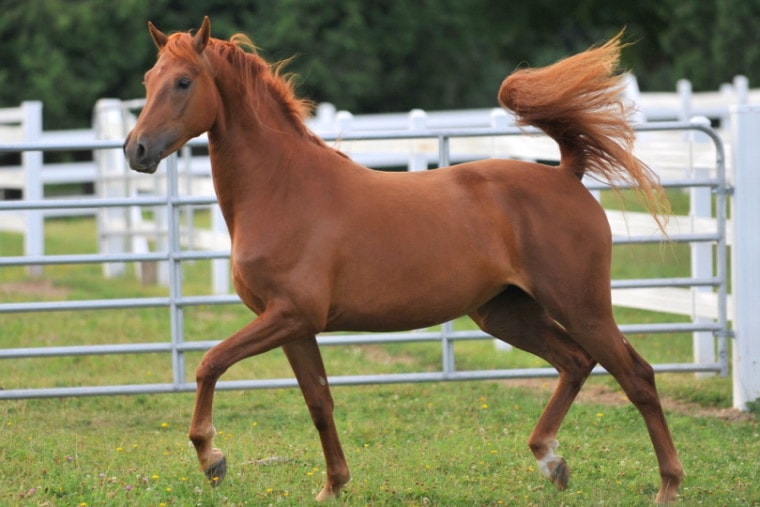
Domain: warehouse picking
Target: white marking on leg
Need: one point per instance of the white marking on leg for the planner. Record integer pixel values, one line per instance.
(549, 459)
(322, 381)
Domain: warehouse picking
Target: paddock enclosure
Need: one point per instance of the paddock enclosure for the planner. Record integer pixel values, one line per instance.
(147, 224)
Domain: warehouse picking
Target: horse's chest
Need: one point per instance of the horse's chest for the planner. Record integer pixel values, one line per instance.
(250, 287)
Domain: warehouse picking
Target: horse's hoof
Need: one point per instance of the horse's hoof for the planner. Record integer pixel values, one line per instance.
(216, 472)
(560, 475)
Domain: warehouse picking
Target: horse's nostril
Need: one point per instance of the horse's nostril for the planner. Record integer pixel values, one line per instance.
(140, 150)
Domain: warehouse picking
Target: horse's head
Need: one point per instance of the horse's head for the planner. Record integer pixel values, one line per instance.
(181, 98)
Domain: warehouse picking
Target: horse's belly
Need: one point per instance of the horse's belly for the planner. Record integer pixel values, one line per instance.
(392, 304)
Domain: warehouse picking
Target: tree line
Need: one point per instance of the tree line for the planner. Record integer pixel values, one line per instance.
(370, 55)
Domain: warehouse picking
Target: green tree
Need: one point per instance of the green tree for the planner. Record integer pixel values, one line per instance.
(68, 54)
(368, 56)
(387, 55)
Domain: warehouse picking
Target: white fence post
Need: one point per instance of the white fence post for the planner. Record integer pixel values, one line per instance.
(683, 88)
(741, 89)
(417, 122)
(745, 262)
(324, 121)
(220, 268)
(343, 122)
(34, 244)
(108, 123)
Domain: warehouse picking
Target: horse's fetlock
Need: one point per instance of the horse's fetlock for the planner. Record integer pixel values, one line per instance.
(542, 447)
(200, 437)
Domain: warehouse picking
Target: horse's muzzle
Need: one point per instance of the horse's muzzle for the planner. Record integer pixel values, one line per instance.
(140, 156)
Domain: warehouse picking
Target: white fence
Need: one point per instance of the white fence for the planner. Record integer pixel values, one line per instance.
(125, 233)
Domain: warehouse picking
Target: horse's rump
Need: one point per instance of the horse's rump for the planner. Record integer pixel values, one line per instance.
(577, 102)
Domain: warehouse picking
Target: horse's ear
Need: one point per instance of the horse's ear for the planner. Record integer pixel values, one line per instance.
(200, 39)
(158, 36)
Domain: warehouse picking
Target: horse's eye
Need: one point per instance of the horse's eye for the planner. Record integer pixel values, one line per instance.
(184, 83)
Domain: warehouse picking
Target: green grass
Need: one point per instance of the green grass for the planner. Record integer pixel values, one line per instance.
(408, 445)
(430, 444)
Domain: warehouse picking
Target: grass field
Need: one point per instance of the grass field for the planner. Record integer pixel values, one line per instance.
(409, 445)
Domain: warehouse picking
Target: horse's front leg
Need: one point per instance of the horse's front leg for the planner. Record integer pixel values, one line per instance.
(306, 361)
(270, 330)
(202, 431)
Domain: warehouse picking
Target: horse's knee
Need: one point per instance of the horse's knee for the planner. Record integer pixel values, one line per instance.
(208, 370)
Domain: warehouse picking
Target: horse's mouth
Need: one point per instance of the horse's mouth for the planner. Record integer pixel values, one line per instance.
(141, 158)
(146, 168)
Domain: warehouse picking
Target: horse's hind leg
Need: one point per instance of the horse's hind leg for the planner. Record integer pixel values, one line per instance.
(587, 316)
(636, 377)
(516, 318)
(306, 361)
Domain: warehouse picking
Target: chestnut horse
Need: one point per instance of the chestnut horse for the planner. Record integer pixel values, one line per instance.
(320, 243)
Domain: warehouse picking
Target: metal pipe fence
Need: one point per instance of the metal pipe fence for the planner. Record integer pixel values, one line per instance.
(175, 302)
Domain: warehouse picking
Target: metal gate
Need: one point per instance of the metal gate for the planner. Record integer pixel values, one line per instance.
(175, 346)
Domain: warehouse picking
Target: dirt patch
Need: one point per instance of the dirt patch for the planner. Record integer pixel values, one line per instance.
(34, 288)
(603, 395)
(378, 354)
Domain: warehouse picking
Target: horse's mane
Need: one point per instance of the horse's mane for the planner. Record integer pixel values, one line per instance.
(249, 69)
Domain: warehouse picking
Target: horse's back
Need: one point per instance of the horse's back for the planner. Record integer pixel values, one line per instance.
(556, 223)
(422, 248)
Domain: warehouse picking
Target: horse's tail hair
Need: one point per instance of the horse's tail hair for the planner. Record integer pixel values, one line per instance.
(576, 101)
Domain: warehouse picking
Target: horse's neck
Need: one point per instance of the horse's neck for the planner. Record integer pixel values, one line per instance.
(254, 157)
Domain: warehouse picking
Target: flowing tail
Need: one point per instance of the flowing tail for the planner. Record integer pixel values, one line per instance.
(576, 102)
